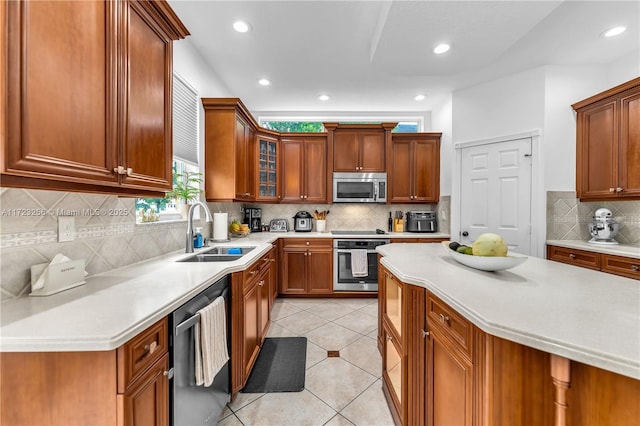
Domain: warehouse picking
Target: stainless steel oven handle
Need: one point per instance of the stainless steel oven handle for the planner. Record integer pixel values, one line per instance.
(350, 250)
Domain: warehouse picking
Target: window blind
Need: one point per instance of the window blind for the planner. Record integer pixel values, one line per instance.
(185, 121)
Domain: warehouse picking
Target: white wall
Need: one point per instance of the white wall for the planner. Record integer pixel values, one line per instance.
(510, 105)
(442, 121)
(624, 69)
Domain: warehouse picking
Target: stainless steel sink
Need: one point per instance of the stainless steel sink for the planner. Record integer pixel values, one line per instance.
(218, 254)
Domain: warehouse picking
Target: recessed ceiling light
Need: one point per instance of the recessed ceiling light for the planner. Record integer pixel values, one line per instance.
(419, 97)
(614, 31)
(264, 82)
(441, 48)
(323, 97)
(241, 26)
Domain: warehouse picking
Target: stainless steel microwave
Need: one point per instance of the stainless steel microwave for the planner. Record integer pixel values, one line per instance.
(359, 187)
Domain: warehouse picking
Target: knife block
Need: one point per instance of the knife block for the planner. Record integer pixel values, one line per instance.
(398, 225)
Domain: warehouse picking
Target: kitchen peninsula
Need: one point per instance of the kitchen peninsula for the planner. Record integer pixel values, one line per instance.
(498, 338)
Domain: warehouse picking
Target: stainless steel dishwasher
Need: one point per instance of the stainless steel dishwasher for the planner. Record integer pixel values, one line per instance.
(192, 405)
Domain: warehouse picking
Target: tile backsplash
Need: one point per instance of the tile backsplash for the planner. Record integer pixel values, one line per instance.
(107, 236)
(568, 217)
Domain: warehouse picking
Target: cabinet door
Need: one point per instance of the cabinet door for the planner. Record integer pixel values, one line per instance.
(449, 384)
(372, 152)
(629, 154)
(320, 271)
(400, 182)
(292, 170)
(265, 297)
(147, 147)
(243, 158)
(345, 152)
(61, 91)
(414, 347)
(597, 151)
(426, 171)
(315, 164)
(392, 372)
(267, 170)
(251, 337)
(294, 263)
(393, 302)
(147, 401)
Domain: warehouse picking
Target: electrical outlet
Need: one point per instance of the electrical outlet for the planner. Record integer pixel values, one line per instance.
(66, 228)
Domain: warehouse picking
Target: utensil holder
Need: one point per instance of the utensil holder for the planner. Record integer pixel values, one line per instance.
(321, 225)
(398, 225)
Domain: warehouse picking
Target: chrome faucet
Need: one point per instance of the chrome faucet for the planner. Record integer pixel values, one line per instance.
(189, 246)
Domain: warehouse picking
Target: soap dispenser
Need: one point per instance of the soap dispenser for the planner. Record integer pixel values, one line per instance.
(197, 239)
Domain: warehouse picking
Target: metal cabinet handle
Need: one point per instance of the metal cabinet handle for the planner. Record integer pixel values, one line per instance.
(425, 333)
(612, 190)
(618, 189)
(572, 256)
(272, 260)
(635, 267)
(261, 283)
(309, 253)
(168, 373)
(389, 339)
(252, 272)
(444, 318)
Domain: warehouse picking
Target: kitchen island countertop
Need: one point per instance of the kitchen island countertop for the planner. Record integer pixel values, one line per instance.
(584, 315)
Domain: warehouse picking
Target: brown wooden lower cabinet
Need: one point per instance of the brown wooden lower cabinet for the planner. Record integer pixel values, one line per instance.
(453, 373)
(124, 387)
(307, 266)
(251, 303)
(612, 264)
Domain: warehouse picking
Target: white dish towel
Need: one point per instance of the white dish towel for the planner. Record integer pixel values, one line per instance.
(211, 342)
(359, 264)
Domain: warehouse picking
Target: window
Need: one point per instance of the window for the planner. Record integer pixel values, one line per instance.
(305, 126)
(185, 153)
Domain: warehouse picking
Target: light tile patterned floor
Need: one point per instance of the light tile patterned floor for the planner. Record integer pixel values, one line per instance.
(338, 391)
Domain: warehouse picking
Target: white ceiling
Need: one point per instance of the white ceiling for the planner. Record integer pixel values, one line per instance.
(377, 55)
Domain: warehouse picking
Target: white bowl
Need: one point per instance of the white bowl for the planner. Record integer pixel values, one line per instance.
(488, 263)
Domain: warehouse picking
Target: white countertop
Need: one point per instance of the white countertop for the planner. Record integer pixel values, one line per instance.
(584, 315)
(115, 306)
(617, 250)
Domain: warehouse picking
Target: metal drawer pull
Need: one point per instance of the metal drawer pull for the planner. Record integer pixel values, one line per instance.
(150, 348)
(444, 318)
(261, 283)
(572, 256)
(635, 267)
(425, 333)
(618, 189)
(168, 373)
(389, 339)
(612, 190)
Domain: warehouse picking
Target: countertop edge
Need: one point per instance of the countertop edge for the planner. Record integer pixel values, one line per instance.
(624, 250)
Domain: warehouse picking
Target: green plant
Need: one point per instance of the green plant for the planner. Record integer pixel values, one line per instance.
(186, 186)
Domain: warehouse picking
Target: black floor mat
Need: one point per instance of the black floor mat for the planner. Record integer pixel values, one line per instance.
(280, 367)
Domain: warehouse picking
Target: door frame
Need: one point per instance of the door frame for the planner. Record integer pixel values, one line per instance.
(538, 199)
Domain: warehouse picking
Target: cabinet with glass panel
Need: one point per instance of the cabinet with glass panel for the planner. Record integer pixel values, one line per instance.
(268, 188)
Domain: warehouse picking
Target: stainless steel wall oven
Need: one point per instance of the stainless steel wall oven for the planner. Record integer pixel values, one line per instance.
(343, 279)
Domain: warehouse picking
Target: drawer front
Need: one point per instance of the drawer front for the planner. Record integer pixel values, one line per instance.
(455, 327)
(141, 352)
(308, 243)
(625, 266)
(268, 260)
(252, 273)
(586, 259)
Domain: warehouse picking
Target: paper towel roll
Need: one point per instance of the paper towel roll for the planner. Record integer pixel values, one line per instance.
(220, 226)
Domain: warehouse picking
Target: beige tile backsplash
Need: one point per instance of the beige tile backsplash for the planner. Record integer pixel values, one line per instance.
(568, 217)
(107, 236)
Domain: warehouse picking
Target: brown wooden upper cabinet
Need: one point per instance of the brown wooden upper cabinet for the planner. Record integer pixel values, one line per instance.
(359, 147)
(229, 150)
(608, 144)
(304, 167)
(415, 168)
(89, 95)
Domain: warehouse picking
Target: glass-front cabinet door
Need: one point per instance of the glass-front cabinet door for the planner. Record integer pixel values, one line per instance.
(267, 165)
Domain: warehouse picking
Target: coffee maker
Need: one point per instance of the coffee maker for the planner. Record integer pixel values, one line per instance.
(253, 218)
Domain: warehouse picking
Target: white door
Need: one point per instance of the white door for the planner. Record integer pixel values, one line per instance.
(495, 193)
